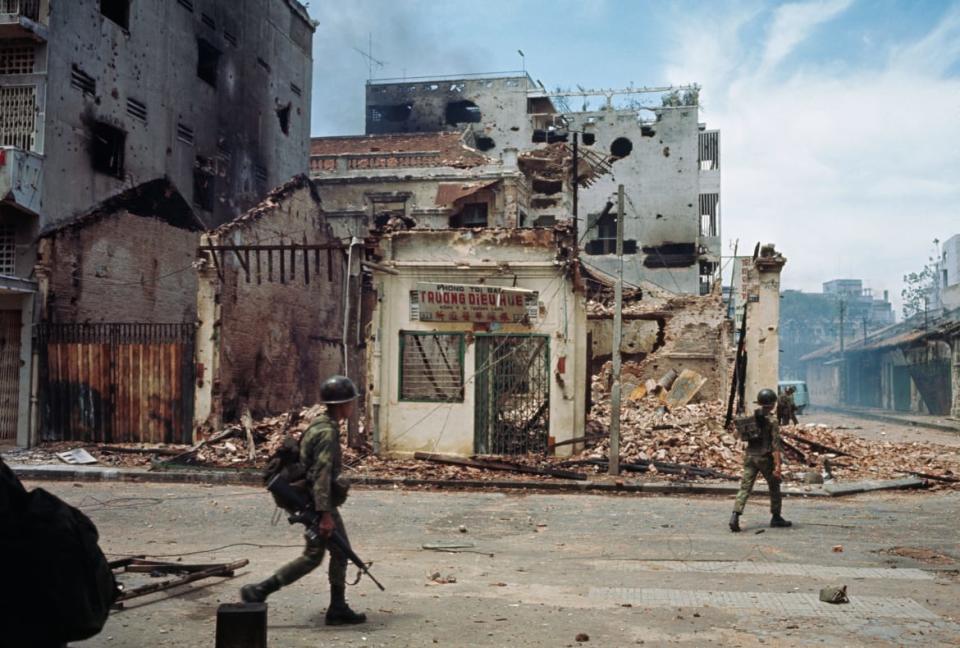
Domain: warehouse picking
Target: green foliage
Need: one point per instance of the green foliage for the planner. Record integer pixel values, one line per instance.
(917, 288)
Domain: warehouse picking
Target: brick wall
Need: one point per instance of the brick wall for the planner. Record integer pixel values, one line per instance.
(121, 268)
(279, 341)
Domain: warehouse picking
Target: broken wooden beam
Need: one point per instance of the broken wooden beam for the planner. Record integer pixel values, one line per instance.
(940, 478)
(795, 451)
(582, 439)
(170, 452)
(497, 465)
(815, 445)
(225, 570)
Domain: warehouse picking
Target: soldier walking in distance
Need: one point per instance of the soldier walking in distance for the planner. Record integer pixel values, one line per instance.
(763, 456)
(787, 407)
(321, 461)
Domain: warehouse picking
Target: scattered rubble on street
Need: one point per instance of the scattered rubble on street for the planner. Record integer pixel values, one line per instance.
(657, 443)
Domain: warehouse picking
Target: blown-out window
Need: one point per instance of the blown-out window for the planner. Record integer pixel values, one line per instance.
(431, 367)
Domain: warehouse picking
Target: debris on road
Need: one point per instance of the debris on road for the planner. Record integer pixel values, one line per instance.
(77, 456)
(835, 595)
(658, 442)
(186, 574)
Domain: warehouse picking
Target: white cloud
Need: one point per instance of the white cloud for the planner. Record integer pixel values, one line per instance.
(852, 172)
(793, 23)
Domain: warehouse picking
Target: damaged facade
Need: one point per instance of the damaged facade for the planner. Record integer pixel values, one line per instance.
(668, 162)
(274, 285)
(102, 98)
(423, 180)
(477, 343)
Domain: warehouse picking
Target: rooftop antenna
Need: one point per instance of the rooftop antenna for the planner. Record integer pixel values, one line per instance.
(368, 55)
(523, 61)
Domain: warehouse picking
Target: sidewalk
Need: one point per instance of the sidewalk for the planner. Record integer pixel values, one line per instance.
(59, 472)
(904, 418)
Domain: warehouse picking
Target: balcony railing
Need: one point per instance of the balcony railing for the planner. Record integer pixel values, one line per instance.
(26, 8)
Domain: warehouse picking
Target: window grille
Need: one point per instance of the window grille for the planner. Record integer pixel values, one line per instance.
(260, 172)
(17, 59)
(8, 249)
(137, 109)
(230, 38)
(709, 150)
(18, 117)
(431, 367)
(208, 20)
(83, 81)
(709, 204)
(296, 89)
(186, 4)
(184, 133)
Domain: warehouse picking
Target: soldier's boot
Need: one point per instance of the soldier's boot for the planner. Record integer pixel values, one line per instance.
(339, 613)
(258, 592)
(735, 522)
(777, 521)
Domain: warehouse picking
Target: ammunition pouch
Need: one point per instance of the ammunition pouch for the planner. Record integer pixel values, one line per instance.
(340, 488)
(749, 428)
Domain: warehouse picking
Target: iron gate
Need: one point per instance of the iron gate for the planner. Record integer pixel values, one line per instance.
(9, 372)
(512, 391)
(116, 383)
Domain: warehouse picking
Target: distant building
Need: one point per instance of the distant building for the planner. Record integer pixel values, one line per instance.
(811, 321)
(949, 279)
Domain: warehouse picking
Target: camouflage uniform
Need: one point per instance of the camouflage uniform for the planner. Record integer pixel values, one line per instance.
(320, 455)
(759, 460)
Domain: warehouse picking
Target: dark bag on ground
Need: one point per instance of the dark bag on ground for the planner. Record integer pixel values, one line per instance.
(57, 585)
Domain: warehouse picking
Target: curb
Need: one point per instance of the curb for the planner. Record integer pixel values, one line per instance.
(53, 472)
(888, 419)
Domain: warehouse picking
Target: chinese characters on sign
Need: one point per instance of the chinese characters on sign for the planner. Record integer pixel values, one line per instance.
(434, 302)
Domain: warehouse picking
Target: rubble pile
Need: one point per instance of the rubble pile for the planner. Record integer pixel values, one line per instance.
(692, 434)
(873, 459)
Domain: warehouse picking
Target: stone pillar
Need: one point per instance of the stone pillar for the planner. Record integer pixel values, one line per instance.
(206, 407)
(761, 283)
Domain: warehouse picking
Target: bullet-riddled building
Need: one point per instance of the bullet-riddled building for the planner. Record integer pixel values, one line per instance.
(209, 98)
(668, 161)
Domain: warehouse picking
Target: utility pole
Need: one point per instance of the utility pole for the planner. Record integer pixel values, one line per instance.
(576, 182)
(843, 358)
(614, 458)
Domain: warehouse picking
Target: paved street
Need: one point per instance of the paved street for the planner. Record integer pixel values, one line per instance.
(622, 570)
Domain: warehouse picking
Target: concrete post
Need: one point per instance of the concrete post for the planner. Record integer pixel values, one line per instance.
(206, 410)
(762, 283)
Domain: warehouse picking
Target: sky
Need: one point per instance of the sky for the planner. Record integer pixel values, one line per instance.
(839, 119)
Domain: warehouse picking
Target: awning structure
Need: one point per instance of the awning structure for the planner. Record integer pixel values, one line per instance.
(450, 192)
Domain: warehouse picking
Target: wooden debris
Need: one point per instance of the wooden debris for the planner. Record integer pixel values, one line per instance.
(497, 465)
(819, 447)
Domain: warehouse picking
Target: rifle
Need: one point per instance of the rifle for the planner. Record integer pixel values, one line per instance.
(303, 513)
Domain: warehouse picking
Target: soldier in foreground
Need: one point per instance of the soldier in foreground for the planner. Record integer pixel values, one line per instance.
(321, 462)
(763, 456)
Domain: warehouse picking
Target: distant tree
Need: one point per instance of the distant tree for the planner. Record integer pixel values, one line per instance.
(917, 288)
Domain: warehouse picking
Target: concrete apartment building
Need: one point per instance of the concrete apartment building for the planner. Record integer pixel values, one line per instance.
(100, 97)
(668, 162)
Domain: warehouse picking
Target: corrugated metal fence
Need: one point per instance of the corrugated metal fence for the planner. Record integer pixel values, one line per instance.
(117, 383)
